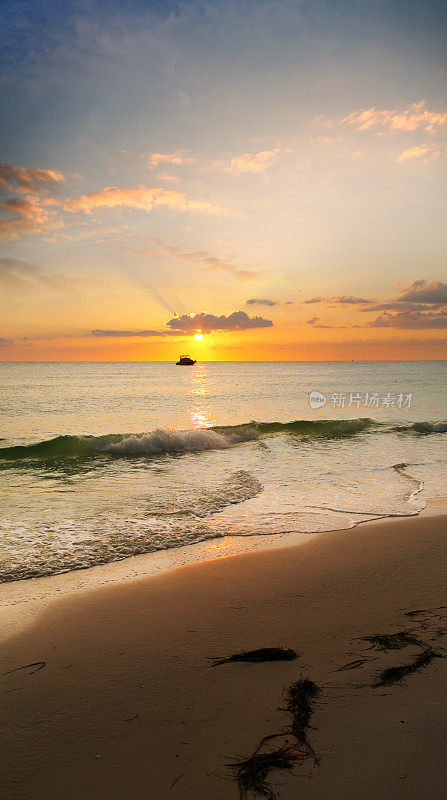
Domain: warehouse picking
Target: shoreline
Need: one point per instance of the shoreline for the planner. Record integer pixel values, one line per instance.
(126, 707)
(22, 601)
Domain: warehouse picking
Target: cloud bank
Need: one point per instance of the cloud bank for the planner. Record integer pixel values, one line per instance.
(237, 321)
(421, 305)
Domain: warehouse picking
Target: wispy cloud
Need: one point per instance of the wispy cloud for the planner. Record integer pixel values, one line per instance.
(24, 215)
(237, 321)
(168, 158)
(414, 117)
(257, 163)
(408, 341)
(420, 151)
(28, 179)
(411, 320)
(116, 334)
(27, 212)
(315, 322)
(335, 300)
(206, 261)
(168, 177)
(23, 277)
(265, 301)
(142, 198)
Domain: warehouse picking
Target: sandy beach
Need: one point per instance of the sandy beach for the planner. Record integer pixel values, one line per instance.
(120, 701)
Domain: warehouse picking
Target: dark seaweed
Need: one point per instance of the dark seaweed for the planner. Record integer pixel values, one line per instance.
(251, 773)
(254, 656)
(397, 641)
(393, 675)
(300, 697)
(392, 641)
(352, 664)
(37, 664)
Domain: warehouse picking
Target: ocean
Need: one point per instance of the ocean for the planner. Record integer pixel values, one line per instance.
(101, 461)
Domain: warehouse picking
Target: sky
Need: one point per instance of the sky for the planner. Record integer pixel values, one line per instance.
(235, 179)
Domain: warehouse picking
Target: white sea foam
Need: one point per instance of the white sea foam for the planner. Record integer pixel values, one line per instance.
(161, 441)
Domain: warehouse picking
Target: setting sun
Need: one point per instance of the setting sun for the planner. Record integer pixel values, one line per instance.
(198, 337)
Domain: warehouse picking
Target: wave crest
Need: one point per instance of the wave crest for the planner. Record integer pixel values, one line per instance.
(162, 441)
(423, 427)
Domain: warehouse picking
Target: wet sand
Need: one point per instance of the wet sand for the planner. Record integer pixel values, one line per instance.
(125, 705)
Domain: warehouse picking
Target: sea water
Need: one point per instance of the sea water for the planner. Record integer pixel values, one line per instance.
(100, 461)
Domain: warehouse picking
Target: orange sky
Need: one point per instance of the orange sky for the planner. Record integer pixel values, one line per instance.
(270, 173)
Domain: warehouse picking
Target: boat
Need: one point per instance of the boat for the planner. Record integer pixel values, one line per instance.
(185, 361)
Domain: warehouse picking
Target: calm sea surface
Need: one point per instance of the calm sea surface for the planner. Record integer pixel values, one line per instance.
(103, 461)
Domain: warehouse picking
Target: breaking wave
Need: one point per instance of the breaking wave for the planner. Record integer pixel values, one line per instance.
(155, 443)
(423, 427)
(162, 441)
(330, 428)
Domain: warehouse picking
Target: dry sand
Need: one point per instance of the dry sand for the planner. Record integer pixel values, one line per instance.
(125, 707)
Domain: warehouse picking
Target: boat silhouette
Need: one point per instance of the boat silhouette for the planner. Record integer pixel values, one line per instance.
(185, 361)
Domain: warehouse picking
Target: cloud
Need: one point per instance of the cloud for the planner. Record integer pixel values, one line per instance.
(17, 276)
(340, 299)
(423, 151)
(122, 334)
(26, 179)
(205, 260)
(420, 295)
(252, 162)
(141, 197)
(264, 301)
(315, 322)
(311, 300)
(411, 320)
(5, 342)
(28, 212)
(421, 291)
(390, 305)
(259, 301)
(395, 340)
(23, 277)
(24, 215)
(167, 176)
(412, 118)
(168, 158)
(421, 305)
(237, 321)
(347, 299)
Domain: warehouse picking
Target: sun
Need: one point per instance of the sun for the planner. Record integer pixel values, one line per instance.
(198, 337)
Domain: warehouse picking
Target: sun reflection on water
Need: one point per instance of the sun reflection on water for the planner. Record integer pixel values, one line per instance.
(200, 413)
